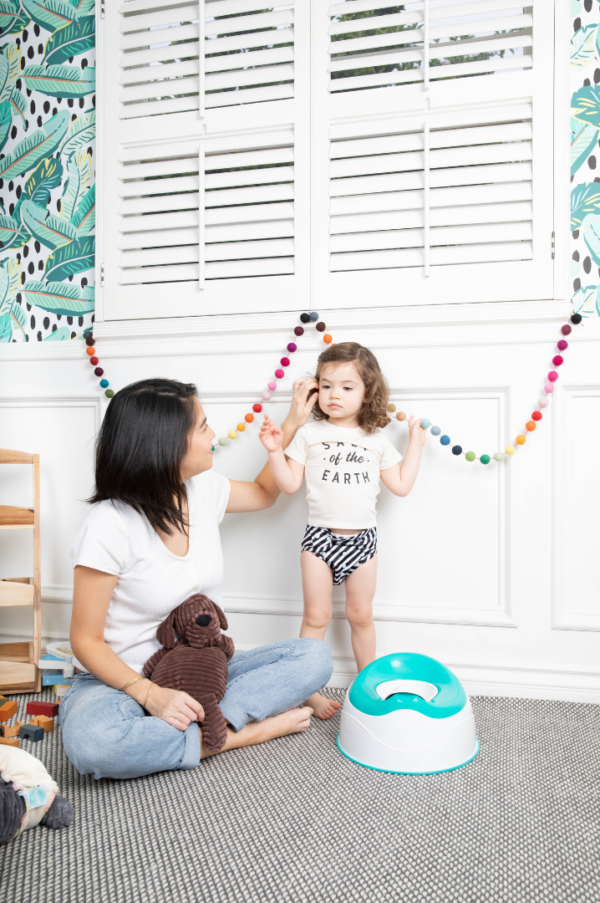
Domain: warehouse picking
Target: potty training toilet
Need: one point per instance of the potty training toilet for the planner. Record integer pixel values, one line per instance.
(408, 714)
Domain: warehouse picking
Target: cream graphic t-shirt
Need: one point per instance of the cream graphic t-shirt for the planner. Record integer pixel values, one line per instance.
(342, 468)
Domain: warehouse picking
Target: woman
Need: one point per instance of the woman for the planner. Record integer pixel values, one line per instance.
(150, 541)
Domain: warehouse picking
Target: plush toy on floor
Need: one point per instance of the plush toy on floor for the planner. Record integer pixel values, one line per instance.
(408, 714)
(28, 795)
(197, 661)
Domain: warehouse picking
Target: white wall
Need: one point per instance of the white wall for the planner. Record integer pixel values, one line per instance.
(491, 569)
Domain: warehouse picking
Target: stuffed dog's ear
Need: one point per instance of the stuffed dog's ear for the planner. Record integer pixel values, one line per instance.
(221, 614)
(165, 633)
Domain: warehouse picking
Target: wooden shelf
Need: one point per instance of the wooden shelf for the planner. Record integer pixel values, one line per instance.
(18, 661)
(17, 677)
(13, 517)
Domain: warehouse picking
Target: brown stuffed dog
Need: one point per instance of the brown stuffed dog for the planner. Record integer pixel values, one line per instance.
(197, 662)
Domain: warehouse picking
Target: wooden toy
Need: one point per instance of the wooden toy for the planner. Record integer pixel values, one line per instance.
(8, 709)
(31, 732)
(13, 731)
(47, 724)
(10, 741)
(42, 708)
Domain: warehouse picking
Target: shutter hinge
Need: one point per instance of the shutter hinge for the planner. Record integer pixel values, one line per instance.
(552, 246)
(102, 9)
(101, 275)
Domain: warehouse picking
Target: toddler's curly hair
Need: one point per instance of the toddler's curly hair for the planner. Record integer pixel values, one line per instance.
(373, 414)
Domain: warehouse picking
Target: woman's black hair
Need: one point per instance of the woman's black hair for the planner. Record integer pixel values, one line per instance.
(140, 447)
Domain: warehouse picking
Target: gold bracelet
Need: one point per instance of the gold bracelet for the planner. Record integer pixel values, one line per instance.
(131, 682)
(152, 685)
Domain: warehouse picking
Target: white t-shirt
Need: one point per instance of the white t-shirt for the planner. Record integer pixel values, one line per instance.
(342, 468)
(116, 539)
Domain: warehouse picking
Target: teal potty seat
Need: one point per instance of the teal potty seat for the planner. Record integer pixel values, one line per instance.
(409, 714)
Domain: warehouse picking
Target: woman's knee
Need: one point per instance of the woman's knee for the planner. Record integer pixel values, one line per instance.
(319, 660)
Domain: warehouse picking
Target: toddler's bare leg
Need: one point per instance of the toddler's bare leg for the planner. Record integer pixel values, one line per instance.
(360, 589)
(317, 581)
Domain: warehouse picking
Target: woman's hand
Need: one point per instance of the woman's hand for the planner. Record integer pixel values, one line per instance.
(301, 406)
(175, 707)
(270, 435)
(417, 435)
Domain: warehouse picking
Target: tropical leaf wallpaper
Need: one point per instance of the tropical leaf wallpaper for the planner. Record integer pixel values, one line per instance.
(47, 191)
(585, 156)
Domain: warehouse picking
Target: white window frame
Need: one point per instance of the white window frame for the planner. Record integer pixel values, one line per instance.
(551, 302)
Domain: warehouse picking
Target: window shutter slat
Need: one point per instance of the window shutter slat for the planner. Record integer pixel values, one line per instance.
(206, 156)
(435, 117)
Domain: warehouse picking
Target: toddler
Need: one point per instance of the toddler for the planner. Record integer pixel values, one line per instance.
(343, 453)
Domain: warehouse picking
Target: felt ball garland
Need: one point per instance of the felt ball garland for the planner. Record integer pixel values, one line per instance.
(291, 347)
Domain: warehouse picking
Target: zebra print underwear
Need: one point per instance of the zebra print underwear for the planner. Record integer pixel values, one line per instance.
(343, 554)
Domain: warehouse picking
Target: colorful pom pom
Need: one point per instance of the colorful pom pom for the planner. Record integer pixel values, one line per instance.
(313, 316)
(530, 425)
(292, 347)
(521, 440)
(320, 327)
(400, 416)
(271, 386)
(249, 418)
(298, 331)
(445, 440)
(553, 376)
(104, 384)
(257, 408)
(566, 329)
(549, 388)
(90, 350)
(558, 360)
(576, 319)
(391, 408)
(279, 374)
(457, 449)
(510, 449)
(304, 318)
(425, 423)
(223, 440)
(232, 434)
(498, 456)
(109, 393)
(543, 402)
(485, 459)
(285, 362)
(94, 360)
(241, 427)
(435, 431)
(99, 371)
(470, 456)
(537, 415)
(562, 345)
(266, 396)
(327, 338)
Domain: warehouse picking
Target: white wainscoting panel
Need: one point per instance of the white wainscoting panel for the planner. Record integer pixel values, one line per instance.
(576, 515)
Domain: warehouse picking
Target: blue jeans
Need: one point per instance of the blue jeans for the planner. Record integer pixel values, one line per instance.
(106, 733)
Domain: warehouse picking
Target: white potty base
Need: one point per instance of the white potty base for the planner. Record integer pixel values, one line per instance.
(406, 741)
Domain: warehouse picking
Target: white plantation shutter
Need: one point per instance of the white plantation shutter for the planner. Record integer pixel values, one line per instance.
(432, 164)
(204, 160)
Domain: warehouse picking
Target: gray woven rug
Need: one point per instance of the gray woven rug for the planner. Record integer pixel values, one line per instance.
(295, 821)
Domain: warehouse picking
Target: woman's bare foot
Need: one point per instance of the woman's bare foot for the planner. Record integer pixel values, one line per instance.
(323, 708)
(292, 722)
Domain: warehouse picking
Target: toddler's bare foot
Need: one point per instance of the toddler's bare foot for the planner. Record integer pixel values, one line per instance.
(323, 708)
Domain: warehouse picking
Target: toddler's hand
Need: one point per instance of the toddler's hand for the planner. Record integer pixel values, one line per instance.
(270, 435)
(417, 435)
